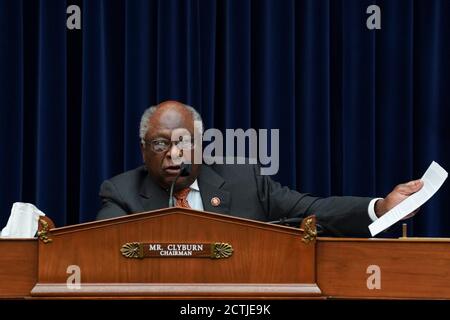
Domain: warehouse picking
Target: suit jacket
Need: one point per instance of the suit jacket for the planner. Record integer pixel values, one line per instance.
(243, 192)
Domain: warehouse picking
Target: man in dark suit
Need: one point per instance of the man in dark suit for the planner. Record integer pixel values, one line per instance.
(235, 189)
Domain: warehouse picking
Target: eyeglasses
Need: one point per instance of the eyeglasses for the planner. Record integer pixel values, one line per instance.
(163, 145)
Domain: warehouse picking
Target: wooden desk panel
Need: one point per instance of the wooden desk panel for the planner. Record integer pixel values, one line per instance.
(18, 267)
(408, 268)
(267, 260)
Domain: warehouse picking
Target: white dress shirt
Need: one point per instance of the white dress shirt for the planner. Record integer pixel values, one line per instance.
(371, 209)
(194, 197)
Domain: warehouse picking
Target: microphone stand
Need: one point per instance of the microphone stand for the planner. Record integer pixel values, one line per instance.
(296, 222)
(185, 171)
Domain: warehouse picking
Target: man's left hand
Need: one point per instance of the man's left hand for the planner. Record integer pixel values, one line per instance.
(400, 193)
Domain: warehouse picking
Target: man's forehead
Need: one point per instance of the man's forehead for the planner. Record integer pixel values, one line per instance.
(171, 120)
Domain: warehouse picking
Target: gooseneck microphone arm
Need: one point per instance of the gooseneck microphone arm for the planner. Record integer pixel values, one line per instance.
(296, 222)
(171, 204)
(185, 171)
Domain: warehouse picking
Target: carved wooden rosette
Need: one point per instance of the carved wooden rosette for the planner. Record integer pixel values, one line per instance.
(309, 230)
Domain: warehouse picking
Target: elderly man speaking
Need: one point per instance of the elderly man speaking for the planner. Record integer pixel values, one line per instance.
(167, 132)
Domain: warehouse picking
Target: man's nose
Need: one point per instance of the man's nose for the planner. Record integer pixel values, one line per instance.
(174, 152)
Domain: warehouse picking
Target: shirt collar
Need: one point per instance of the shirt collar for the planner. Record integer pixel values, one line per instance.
(194, 186)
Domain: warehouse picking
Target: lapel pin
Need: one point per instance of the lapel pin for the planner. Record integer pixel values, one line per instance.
(215, 202)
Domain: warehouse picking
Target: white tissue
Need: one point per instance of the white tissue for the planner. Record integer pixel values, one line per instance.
(23, 221)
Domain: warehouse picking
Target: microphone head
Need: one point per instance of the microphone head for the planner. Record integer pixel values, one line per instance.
(185, 169)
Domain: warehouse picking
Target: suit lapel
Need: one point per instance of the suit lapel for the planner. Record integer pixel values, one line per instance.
(153, 196)
(210, 184)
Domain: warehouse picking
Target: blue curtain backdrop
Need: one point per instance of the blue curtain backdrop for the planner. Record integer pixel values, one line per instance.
(359, 110)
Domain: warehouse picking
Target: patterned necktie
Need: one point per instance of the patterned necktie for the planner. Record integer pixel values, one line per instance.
(181, 197)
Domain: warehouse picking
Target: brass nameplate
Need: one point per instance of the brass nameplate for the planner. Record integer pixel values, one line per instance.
(140, 250)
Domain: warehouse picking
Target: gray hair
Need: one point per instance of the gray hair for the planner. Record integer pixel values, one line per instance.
(144, 126)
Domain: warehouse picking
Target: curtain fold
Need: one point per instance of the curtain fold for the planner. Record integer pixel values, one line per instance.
(359, 110)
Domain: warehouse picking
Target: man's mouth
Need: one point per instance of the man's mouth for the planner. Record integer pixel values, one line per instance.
(172, 170)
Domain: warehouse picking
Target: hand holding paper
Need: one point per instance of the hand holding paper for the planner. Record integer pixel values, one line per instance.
(400, 193)
(432, 180)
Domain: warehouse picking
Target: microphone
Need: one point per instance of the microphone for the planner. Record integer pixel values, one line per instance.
(185, 171)
(288, 221)
(296, 222)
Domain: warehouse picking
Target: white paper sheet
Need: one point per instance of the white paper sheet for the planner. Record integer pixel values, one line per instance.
(433, 179)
